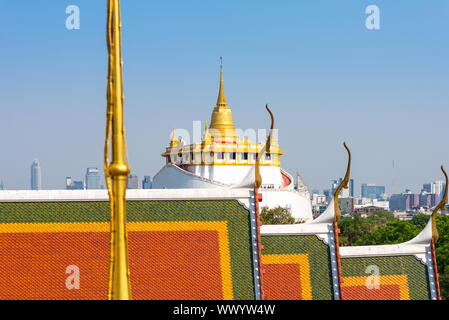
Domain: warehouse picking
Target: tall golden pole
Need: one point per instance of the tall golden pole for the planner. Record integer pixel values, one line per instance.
(117, 171)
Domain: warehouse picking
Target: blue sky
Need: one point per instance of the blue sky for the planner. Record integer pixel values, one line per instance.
(327, 78)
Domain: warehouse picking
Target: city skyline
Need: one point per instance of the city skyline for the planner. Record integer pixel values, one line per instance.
(434, 186)
(321, 60)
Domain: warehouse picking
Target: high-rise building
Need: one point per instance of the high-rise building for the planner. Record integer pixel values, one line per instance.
(92, 178)
(351, 188)
(405, 201)
(371, 191)
(427, 187)
(428, 199)
(344, 193)
(73, 184)
(334, 185)
(2, 186)
(327, 194)
(133, 182)
(36, 175)
(438, 188)
(147, 183)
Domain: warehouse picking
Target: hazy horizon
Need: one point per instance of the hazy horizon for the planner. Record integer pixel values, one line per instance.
(327, 78)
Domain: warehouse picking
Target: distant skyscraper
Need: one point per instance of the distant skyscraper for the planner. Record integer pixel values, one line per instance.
(334, 186)
(438, 188)
(404, 202)
(2, 186)
(146, 182)
(427, 187)
(351, 188)
(344, 193)
(372, 191)
(36, 175)
(428, 199)
(73, 184)
(68, 182)
(133, 182)
(92, 178)
(327, 194)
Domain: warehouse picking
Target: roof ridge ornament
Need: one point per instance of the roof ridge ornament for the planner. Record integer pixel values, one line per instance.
(442, 206)
(343, 184)
(266, 148)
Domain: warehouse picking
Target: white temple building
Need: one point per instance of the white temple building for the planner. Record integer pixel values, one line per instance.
(223, 160)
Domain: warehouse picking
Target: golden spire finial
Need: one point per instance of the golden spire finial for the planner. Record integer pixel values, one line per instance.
(174, 139)
(206, 131)
(207, 139)
(442, 206)
(221, 125)
(221, 100)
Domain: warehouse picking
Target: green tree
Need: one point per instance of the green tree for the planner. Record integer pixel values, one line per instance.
(420, 219)
(352, 229)
(444, 283)
(278, 215)
(355, 230)
(442, 254)
(396, 231)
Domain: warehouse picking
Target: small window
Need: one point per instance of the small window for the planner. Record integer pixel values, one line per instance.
(268, 156)
(192, 159)
(245, 156)
(232, 155)
(220, 155)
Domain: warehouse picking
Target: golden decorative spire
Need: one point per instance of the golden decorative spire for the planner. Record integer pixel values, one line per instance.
(221, 124)
(221, 100)
(117, 171)
(174, 140)
(207, 139)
